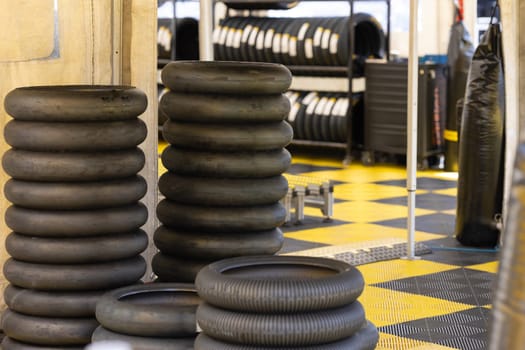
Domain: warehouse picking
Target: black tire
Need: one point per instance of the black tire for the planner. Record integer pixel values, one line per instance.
(277, 5)
(75, 137)
(286, 330)
(83, 250)
(217, 246)
(56, 166)
(75, 195)
(365, 339)
(284, 284)
(47, 330)
(144, 343)
(233, 165)
(75, 103)
(224, 77)
(63, 223)
(83, 277)
(150, 310)
(222, 192)
(224, 109)
(11, 344)
(173, 269)
(221, 219)
(52, 304)
(224, 137)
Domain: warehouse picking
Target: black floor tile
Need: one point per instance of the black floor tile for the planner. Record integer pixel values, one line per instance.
(423, 183)
(433, 223)
(299, 168)
(429, 201)
(311, 222)
(295, 245)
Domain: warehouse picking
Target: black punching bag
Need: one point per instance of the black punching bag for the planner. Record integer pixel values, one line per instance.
(481, 146)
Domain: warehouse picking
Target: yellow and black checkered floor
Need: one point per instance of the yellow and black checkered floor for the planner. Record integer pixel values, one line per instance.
(441, 301)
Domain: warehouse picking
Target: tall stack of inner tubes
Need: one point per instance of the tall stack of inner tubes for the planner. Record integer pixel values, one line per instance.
(316, 41)
(322, 116)
(282, 302)
(155, 316)
(76, 215)
(225, 161)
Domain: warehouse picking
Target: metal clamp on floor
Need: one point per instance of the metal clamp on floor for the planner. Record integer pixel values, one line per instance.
(308, 191)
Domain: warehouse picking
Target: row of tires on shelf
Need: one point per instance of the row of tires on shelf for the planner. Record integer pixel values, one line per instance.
(298, 41)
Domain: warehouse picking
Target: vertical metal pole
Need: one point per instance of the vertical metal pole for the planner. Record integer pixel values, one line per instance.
(206, 30)
(349, 114)
(116, 41)
(413, 74)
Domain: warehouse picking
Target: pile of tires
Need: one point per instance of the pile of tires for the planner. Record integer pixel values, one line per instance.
(155, 316)
(298, 41)
(323, 116)
(227, 134)
(75, 210)
(282, 302)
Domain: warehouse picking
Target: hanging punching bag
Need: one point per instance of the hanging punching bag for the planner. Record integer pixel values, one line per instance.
(481, 146)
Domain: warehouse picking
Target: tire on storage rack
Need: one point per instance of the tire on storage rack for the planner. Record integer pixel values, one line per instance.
(365, 339)
(144, 343)
(228, 137)
(82, 250)
(229, 165)
(75, 195)
(78, 166)
(47, 330)
(222, 191)
(75, 103)
(312, 284)
(221, 219)
(75, 137)
(187, 38)
(267, 329)
(224, 77)
(76, 223)
(51, 304)
(150, 310)
(171, 268)
(84, 277)
(274, 5)
(11, 344)
(208, 108)
(217, 246)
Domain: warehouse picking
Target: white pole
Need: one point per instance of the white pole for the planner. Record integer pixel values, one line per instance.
(413, 74)
(206, 30)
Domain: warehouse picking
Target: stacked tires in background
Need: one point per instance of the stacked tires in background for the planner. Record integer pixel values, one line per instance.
(282, 302)
(156, 316)
(225, 161)
(76, 215)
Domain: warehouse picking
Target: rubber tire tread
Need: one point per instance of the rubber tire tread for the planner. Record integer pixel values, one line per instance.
(222, 192)
(72, 166)
(75, 137)
(286, 330)
(75, 103)
(226, 109)
(295, 293)
(228, 137)
(144, 343)
(221, 219)
(82, 250)
(48, 331)
(11, 344)
(85, 277)
(253, 165)
(75, 195)
(216, 246)
(52, 304)
(226, 77)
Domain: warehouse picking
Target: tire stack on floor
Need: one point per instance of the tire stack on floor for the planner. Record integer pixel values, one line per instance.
(76, 215)
(156, 316)
(282, 302)
(225, 161)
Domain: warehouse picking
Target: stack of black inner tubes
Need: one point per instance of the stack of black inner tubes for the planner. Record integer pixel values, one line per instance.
(323, 116)
(298, 41)
(282, 302)
(227, 133)
(154, 316)
(76, 214)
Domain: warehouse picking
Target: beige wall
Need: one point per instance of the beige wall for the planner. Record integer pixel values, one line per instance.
(71, 42)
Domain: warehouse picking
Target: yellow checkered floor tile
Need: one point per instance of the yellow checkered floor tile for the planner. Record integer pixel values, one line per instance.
(441, 301)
